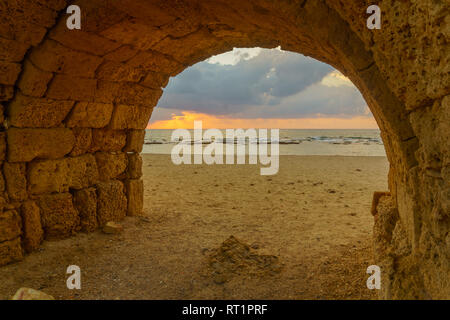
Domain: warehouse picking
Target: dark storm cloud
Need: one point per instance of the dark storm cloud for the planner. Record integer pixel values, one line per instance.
(275, 84)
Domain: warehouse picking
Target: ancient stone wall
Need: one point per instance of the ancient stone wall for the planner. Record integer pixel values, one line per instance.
(74, 105)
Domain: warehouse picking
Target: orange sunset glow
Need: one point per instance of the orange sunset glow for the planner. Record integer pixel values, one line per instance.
(186, 121)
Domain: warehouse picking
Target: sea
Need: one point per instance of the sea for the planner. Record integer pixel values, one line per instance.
(317, 142)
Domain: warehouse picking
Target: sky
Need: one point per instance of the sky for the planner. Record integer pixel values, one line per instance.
(262, 88)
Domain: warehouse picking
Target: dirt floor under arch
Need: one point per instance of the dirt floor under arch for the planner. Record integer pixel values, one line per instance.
(225, 232)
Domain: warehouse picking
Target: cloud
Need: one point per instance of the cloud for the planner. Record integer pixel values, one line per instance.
(262, 84)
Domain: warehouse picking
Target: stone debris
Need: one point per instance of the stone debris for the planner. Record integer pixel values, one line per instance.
(235, 258)
(31, 294)
(112, 227)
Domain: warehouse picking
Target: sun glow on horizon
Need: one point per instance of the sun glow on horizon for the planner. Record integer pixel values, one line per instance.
(187, 118)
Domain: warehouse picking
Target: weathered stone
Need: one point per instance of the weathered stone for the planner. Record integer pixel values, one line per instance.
(130, 117)
(83, 141)
(155, 80)
(112, 227)
(90, 115)
(10, 225)
(9, 72)
(16, 181)
(134, 94)
(108, 140)
(134, 169)
(135, 196)
(59, 175)
(156, 62)
(112, 202)
(83, 171)
(10, 251)
(128, 93)
(58, 216)
(124, 32)
(6, 92)
(31, 294)
(54, 57)
(122, 54)
(116, 71)
(32, 228)
(64, 87)
(79, 39)
(30, 112)
(2, 114)
(111, 166)
(376, 198)
(11, 50)
(2, 184)
(27, 144)
(85, 201)
(2, 146)
(135, 141)
(33, 81)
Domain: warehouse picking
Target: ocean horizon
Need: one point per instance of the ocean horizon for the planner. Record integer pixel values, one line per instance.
(324, 142)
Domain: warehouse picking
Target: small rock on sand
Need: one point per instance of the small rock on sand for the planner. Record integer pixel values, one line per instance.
(112, 227)
(31, 294)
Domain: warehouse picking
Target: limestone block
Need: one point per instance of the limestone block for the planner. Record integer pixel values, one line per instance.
(134, 169)
(33, 81)
(67, 87)
(121, 54)
(33, 233)
(126, 30)
(130, 117)
(6, 92)
(79, 39)
(10, 251)
(9, 72)
(108, 140)
(90, 115)
(116, 71)
(83, 141)
(2, 113)
(134, 94)
(10, 225)
(156, 62)
(432, 126)
(111, 166)
(2, 182)
(85, 201)
(31, 112)
(11, 50)
(58, 216)
(112, 202)
(135, 141)
(51, 56)
(16, 181)
(135, 196)
(83, 171)
(27, 144)
(59, 175)
(155, 80)
(2, 146)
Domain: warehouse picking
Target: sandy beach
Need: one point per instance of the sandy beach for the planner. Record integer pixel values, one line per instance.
(304, 233)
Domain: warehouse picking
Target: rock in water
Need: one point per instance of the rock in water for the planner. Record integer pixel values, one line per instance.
(112, 228)
(31, 294)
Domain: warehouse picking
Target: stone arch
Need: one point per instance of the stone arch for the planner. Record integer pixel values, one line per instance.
(76, 102)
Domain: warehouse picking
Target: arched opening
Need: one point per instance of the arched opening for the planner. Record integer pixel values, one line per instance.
(76, 104)
(310, 222)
